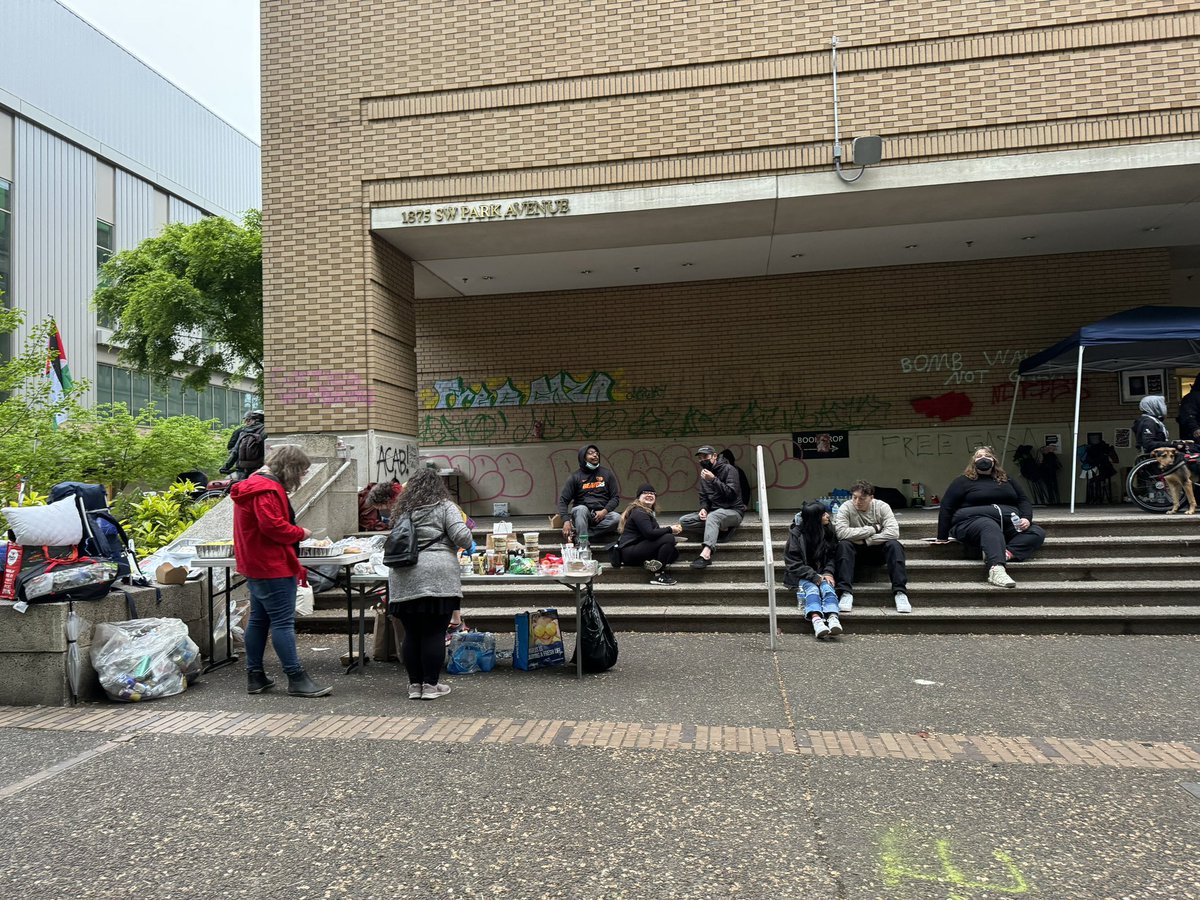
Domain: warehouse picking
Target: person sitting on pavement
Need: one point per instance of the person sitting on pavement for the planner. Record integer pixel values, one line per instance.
(375, 503)
(247, 447)
(1149, 430)
(644, 541)
(265, 536)
(721, 505)
(589, 499)
(868, 533)
(743, 481)
(1189, 414)
(987, 511)
(808, 568)
(424, 596)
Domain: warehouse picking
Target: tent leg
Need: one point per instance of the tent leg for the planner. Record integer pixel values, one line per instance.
(1075, 439)
(1011, 412)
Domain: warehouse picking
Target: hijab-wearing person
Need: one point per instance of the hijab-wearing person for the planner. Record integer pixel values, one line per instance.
(809, 562)
(265, 535)
(987, 512)
(644, 541)
(423, 596)
(1149, 429)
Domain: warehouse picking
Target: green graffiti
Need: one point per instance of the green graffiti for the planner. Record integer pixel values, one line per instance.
(897, 869)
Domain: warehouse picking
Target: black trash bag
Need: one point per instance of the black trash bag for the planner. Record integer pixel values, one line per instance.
(594, 637)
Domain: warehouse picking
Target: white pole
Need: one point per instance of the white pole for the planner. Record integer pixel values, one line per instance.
(768, 553)
(1011, 412)
(1075, 439)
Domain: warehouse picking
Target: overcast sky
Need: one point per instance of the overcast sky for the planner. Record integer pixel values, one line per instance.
(209, 48)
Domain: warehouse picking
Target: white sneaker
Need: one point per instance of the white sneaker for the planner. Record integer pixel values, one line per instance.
(835, 625)
(902, 604)
(414, 692)
(820, 629)
(652, 565)
(846, 604)
(999, 577)
(433, 691)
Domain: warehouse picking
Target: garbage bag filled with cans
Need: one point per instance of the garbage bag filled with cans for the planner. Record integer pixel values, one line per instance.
(144, 658)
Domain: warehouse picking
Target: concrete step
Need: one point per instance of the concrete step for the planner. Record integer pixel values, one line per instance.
(944, 594)
(973, 619)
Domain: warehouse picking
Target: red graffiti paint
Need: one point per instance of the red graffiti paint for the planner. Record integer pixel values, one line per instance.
(950, 405)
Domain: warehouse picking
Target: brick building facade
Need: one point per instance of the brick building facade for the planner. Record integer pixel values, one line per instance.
(496, 231)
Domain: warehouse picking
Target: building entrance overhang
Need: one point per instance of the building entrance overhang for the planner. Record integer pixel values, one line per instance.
(1075, 201)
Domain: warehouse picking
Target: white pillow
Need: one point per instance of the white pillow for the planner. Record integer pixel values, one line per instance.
(56, 525)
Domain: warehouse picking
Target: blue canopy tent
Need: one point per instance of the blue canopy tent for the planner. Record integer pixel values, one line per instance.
(1166, 336)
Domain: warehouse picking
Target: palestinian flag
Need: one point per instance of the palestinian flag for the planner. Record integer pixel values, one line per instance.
(58, 371)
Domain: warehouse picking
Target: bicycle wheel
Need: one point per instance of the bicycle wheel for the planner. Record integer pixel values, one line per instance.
(210, 495)
(1147, 488)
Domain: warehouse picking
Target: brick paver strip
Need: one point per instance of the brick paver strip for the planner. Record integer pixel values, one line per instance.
(661, 737)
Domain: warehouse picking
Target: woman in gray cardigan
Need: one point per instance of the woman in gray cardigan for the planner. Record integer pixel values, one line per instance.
(424, 596)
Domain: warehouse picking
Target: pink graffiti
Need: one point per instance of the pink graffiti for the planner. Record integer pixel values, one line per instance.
(487, 477)
(292, 387)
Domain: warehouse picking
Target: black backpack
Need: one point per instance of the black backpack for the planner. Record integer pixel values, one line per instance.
(250, 450)
(400, 550)
(103, 536)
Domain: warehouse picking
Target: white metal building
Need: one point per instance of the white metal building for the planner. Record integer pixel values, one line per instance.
(98, 152)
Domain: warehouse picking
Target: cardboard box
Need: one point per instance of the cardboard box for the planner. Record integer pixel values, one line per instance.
(169, 574)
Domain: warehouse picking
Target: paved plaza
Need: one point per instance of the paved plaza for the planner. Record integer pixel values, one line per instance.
(703, 765)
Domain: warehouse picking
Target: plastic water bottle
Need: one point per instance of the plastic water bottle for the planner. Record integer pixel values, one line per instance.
(1016, 520)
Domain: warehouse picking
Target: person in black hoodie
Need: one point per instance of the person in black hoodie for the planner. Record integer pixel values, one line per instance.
(1149, 430)
(589, 499)
(247, 447)
(1189, 414)
(808, 568)
(743, 481)
(644, 541)
(986, 510)
(721, 505)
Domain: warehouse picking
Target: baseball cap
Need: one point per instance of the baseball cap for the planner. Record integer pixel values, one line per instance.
(706, 450)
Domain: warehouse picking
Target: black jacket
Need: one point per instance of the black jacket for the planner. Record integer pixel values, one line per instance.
(641, 526)
(1149, 434)
(724, 491)
(802, 563)
(965, 498)
(1189, 415)
(594, 488)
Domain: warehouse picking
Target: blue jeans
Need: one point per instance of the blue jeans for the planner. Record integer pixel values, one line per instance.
(815, 599)
(273, 609)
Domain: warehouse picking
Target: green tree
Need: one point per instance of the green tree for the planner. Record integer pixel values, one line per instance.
(189, 302)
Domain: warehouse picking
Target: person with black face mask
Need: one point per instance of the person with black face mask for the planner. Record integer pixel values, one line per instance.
(589, 499)
(986, 511)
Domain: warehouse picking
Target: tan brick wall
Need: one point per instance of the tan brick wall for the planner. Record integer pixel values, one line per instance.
(382, 101)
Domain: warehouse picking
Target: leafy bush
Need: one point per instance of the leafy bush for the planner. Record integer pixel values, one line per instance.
(154, 520)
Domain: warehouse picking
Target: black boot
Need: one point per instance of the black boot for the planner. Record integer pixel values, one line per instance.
(300, 685)
(258, 681)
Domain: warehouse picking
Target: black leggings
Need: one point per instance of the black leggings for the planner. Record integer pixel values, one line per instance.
(662, 548)
(424, 647)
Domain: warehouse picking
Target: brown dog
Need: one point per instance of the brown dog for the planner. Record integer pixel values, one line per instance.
(1179, 477)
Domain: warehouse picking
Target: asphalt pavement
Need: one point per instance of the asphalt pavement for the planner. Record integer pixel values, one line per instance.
(701, 766)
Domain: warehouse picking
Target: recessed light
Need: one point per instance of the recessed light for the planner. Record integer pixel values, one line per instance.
(1152, 228)
(685, 265)
(797, 255)
(585, 271)
(487, 277)
(1029, 237)
(911, 246)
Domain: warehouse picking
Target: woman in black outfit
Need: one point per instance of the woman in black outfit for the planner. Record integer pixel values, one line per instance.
(985, 510)
(644, 541)
(1149, 430)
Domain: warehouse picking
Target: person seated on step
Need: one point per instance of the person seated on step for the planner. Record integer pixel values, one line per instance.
(987, 511)
(644, 541)
(808, 568)
(721, 505)
(868, 533)
(589, 499)
(1149, 430)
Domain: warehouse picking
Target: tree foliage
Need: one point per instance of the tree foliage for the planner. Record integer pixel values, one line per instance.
(103, 444)
(189, 302)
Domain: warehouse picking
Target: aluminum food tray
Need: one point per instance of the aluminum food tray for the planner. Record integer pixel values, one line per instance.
(319, 551)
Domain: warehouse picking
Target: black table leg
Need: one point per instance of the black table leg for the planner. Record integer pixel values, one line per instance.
(211, 624)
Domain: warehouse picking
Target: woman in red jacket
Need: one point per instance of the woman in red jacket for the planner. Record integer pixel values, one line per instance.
(265, 535)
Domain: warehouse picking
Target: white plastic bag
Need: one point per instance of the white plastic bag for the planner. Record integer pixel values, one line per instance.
(304, 600)
(144, 658)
